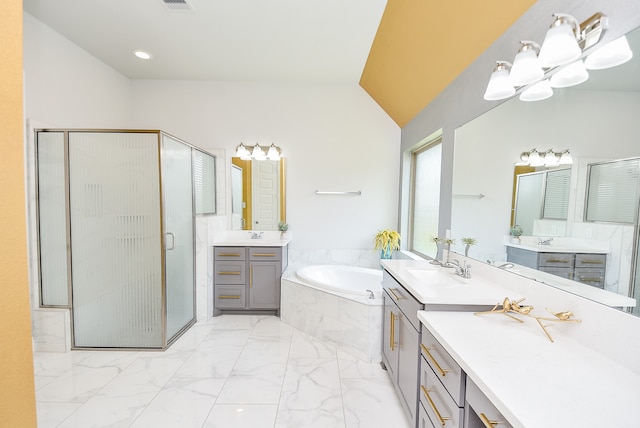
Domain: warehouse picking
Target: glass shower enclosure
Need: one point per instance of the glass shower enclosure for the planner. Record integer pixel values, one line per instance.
(116, 235)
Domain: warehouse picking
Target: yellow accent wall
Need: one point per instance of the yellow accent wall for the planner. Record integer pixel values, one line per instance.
(17, 393)
(422, 46)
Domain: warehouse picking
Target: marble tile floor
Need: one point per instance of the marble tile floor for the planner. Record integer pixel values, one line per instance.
(233, 371)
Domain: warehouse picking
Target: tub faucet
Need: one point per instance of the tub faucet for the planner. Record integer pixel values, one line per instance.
(463, 271)
(544, 241)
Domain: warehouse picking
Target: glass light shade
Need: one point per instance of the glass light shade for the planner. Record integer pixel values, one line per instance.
(499, 86)
(257, 153)
(560, 46)
(526, 68)
(550, 158)
(565, 158)
(242, 152)
(538, 92)
(524, 157)
(571, 75)
(535, 159)
(610, 55)
(273, 153)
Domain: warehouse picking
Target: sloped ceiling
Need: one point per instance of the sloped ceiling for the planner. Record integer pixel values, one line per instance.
(422, 46)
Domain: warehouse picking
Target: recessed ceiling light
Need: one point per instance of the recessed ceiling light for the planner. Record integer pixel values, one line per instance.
(142, 54)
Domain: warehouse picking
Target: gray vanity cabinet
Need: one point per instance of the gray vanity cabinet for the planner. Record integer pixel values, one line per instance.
(248, 278)
(401, 337)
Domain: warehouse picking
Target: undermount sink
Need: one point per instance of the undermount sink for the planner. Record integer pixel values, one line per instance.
(438, 276)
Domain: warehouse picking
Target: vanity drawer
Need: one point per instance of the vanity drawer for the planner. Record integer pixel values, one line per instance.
(480, 412)
(232, 272)
(423, 419)
(229, 253)
(264, 254)
(229, 296)
(556, 259)
(591, 260)
(563, 272)
(443, 366)
(438, 404)
(401, 297)
(590, 276)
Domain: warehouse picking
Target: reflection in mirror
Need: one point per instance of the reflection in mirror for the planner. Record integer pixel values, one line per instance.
(258, 196)
(597, 121)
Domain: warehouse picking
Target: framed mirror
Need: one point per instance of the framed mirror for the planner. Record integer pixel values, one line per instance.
(258, 194)
(597, 122)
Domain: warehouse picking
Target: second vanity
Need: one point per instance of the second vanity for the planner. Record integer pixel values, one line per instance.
(466, 370)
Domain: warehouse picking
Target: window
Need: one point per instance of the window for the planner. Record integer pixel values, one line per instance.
(425, 198)
(204, 178)
(612, 191)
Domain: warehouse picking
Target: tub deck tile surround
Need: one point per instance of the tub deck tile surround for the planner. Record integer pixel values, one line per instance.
(231, 371)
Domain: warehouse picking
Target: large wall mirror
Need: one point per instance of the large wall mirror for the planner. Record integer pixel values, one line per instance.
(597, 121)
(258, 194)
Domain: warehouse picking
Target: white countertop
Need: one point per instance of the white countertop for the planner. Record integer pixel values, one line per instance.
(436, 285)
(552, 248)
(532, 381)
(252, 243)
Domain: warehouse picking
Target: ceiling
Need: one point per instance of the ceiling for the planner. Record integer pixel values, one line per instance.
(318, 41)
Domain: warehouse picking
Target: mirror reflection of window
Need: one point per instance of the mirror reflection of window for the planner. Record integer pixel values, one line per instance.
(613, 191)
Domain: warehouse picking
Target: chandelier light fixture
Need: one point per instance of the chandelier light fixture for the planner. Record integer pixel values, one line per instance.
(558, 62)
(258, 152)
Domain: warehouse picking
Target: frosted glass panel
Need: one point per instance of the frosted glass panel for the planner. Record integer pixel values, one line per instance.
(52, 220)
(204, 179)
(426, 199)
(116, 241)
(529, 195)
(178, 218)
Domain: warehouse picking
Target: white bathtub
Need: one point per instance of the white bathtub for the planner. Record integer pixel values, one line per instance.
(343, 279)
(332, 303)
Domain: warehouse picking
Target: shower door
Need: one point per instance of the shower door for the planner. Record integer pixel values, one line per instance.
(178, 211)
(116, 245)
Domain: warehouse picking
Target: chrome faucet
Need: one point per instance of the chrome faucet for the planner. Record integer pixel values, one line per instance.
(544, 241)
(463, 271)
(256, 235)
(506, 266)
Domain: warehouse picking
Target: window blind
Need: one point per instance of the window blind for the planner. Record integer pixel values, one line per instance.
(204, 178)
(612, 194)
(556, 194)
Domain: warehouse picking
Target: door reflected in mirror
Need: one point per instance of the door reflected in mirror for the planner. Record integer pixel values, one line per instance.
(258, 194)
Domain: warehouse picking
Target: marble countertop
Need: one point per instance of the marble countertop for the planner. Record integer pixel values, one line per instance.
(532, 381)
(436, 285)
(251, 243)
(552, 248)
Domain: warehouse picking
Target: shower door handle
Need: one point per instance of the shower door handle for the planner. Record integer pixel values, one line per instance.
(173, 241)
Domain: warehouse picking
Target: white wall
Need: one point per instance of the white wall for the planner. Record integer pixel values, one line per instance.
(67, 87)
(334, 138)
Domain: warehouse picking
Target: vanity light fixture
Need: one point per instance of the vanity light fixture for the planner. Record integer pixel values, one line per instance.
(258, 152)
(499, 86)
(557, 62)
(610, 55)
(526, 66)
(570, 75)
(548, 158)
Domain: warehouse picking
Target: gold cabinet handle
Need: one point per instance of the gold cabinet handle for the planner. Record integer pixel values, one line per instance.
(487, 422)
(442, 419)
(264, 255)
(557, 261)
(228, 297)
(250, 276)
(228, 273)
(587, 279)
(443, 372)
(392, 331)
(395, 296)
(229, 254)
(592, 262)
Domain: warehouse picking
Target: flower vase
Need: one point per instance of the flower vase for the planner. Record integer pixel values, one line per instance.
(466, 250)
(436, 259)
(385, 254)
